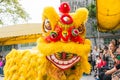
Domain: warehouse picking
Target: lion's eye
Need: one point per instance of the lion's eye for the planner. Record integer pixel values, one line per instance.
(53, 34)
(81, 28)
(47, 25)
(75, 32)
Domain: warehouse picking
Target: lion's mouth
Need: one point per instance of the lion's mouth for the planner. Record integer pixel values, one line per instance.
(63, 60)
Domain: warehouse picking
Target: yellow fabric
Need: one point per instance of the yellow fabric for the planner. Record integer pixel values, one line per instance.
(33, 65)
(108, 15)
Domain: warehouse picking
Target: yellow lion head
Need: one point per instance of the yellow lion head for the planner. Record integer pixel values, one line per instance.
(63, 42)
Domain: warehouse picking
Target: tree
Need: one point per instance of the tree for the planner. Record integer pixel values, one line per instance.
(92, 20)
(12, 12)
(92, 10)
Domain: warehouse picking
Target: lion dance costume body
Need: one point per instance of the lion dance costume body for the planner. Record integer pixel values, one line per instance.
(61, 53)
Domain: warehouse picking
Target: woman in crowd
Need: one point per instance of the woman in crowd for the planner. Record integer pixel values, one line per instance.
(113, 67)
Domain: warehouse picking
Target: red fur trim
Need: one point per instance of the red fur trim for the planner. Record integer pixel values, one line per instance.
(77, 39)
(58, 29)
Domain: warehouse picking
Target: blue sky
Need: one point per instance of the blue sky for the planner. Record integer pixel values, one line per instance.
(35, 7)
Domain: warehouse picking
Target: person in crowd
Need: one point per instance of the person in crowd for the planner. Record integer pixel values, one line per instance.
(90, 60)
(94, 53)
(115, 42)
(112, 51)
(1, 66)
(4, 61)
(118, 41)
(100, 63)
(117, 64)
(106, 55)
(116, 73)
(107, 74)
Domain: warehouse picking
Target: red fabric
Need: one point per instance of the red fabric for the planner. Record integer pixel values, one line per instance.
(104, 63)
(101, 64)
(1, 63)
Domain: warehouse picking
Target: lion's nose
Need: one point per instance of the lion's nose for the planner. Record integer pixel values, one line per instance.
(65, 36)
(64, 33)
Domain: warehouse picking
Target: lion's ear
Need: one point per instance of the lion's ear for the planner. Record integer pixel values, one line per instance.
(80, 16)
(50, 14)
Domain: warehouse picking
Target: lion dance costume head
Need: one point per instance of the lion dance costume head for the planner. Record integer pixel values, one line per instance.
(61, 53)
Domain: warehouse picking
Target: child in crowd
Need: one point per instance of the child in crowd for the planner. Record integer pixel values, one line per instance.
(99, 64)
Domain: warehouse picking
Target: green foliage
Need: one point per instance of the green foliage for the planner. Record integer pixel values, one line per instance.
(92, 10)
(94, 26)
(92, 14)
(12, 12)
(112, 32)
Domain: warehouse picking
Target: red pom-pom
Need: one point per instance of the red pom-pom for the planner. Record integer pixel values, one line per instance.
(64, 7)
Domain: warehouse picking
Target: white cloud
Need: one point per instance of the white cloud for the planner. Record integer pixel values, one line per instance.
(35, 8)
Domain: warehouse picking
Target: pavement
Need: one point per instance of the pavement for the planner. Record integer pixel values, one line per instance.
(87, 77)
(84, 77)
(1, 78)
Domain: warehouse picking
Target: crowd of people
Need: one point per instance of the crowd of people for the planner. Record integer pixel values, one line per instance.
(106, 62)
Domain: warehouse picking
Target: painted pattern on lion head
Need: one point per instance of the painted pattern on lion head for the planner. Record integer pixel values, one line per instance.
(61, 53)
